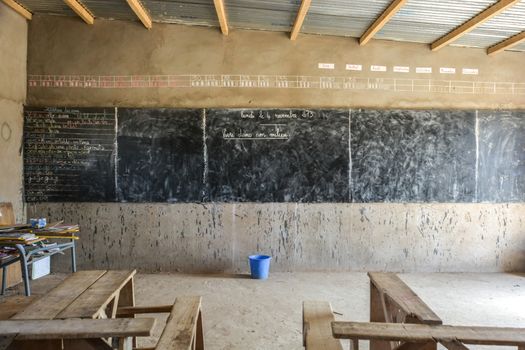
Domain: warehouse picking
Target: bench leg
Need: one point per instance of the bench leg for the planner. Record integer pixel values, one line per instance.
(377, 314)
(199, 336)
(125, 343)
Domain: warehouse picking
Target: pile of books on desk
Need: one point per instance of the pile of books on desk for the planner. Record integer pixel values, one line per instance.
(18, 238)
(25, 234)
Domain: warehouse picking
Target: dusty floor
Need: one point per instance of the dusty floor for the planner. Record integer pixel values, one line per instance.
(240, 313)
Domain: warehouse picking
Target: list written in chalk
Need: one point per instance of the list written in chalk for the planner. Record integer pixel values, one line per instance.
(69, 154)
(277, 155)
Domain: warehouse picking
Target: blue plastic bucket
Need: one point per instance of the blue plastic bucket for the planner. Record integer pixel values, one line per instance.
(259, 266)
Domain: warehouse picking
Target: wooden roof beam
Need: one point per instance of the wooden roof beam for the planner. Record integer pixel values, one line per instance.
(141, 12)
(81, 11)
(221, 14)
(507, 43)
(19, 8)
(301, 15)
(379, 23)
(472, 23)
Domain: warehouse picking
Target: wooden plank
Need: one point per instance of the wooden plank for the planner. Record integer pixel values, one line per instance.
(507, 43)
(76, 328)
(81, 11)
(10, 306)
(19, 9)
(180, 329)
(13, 275)
(379, 23)
(7, 215)
(60, 297)
(405, 298)
(472, 23)
(426, 333)
(301, 15)
(14, 271)
(317, 316)
(134, 310)
(221, 15)
(141, 12)
(95, 299)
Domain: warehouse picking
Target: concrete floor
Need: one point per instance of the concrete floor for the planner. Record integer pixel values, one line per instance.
(240, 313)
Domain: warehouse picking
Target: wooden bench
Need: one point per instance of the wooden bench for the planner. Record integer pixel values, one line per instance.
(416, 336)
(317, 330)
(122, 330)
(392, 301)
(183, 330)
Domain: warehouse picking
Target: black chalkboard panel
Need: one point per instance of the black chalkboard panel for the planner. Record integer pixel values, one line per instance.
(413, 156)
(501, 168)
(160, 155)
(69, 154)
(276, 155)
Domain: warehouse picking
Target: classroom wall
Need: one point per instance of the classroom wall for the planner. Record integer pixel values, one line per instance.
(217, 237)
(13, 58)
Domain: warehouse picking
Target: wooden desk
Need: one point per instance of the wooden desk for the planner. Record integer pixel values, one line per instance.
(85, 294)
(392, 301)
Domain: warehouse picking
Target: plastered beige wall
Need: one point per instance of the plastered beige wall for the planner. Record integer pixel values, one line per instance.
(218, 237)
(13, 58)
(63, 45)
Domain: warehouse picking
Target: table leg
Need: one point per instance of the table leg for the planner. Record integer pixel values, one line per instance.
(377, 314)
(73, 257)
(4, 279)
(25, 274)
(127, 298)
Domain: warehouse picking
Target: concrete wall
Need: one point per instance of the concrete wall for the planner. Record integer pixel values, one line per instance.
(13, 58)
(218, 237)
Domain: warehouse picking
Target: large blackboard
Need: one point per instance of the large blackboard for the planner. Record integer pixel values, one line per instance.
(160, 155)
(274, 155)
(413, 156)
(68, 154)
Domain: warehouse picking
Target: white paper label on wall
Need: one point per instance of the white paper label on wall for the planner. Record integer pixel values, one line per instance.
(424, 70)
(326, 66)
(447, 70)
(378, 68)
(401, 69)
(354, 67)
(470, 71)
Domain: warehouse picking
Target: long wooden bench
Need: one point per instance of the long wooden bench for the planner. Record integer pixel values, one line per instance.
(392, 301)
(123, 330)
(183, 330)
(317, 330)
(417, 335)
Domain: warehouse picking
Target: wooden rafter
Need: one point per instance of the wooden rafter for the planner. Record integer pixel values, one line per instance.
(141, 12)
(301, 14)
(221, 14)
(81, 11)
(19, 8)
(381, 20)
(507, 43)
(472, 23)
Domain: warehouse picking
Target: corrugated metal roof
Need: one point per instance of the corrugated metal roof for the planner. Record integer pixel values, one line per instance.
(422, 21)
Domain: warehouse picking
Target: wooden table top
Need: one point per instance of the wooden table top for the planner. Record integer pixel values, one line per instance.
(84, 294)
